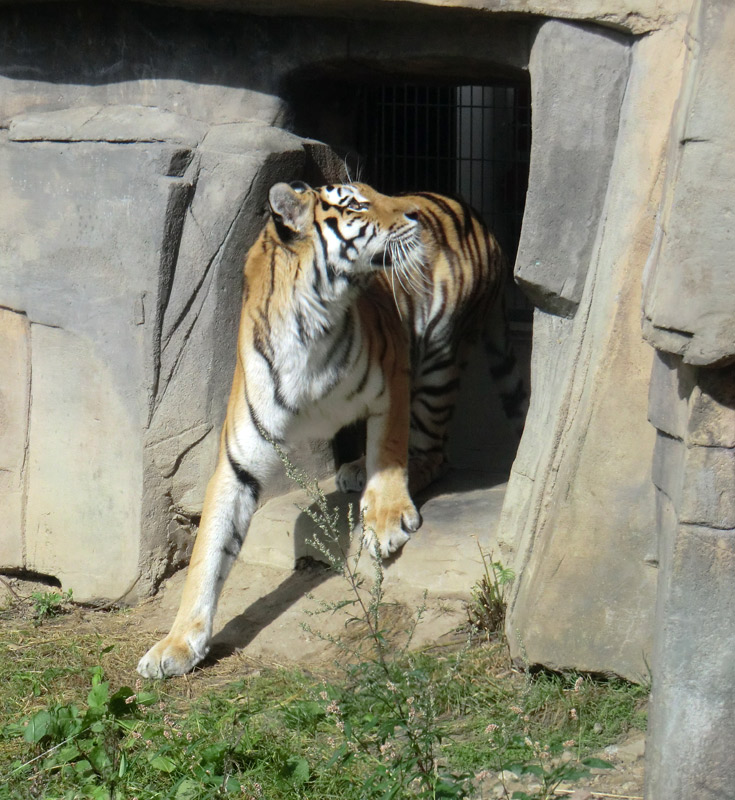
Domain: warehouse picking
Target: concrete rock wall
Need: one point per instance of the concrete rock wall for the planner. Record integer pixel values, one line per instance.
(578, 79)
(689, 317)
(691, 726)
(579, 518)
(691, 257)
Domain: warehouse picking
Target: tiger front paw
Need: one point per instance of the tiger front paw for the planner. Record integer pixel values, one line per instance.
(174, 655)
(388, 527)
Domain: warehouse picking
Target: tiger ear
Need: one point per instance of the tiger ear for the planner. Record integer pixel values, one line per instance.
(290, 207)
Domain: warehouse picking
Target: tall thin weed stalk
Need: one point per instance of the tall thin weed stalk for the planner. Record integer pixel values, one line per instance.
(399, 739)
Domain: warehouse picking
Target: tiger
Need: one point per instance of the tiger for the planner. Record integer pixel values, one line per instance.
(356, 306)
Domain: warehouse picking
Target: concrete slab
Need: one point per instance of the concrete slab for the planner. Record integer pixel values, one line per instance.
(15, 397)
(459, 512)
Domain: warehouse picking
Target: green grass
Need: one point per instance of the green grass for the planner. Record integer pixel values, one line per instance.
(75, 723)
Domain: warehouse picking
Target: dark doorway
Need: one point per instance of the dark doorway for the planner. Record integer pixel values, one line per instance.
(469, 140)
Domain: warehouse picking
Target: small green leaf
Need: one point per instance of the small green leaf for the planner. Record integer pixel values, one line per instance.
(68, 721)
(296, 770)
(66, 754)
(532, 769)
(146, 698)
(123, 768)
(99, 758)
(98, 695)
(187, 790)
(392, 792)
(97, 674)
(162, 763)
(38, 726)
(214, 754)
(83, 767)
(341, 754)
(597, 763)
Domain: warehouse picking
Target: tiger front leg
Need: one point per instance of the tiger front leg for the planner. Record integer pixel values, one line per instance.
(388, 513)
(230, 501)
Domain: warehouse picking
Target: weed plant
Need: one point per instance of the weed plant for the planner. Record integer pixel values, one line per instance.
(486, 609)
(384, 716)
(50, 604)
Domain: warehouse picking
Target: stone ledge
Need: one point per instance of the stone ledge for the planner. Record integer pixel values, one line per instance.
(636, 16)
(115, 124)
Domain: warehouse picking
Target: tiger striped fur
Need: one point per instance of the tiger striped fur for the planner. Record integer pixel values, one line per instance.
(356, 306)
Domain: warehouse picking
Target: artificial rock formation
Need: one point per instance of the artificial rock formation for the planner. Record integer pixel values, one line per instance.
(689, 317)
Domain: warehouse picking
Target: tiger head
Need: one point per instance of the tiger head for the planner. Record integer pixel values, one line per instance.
(352, 229)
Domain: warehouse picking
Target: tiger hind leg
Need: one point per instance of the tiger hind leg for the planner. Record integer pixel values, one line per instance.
(352, 476)
(432, 405)
(423, 470)
(434, 394)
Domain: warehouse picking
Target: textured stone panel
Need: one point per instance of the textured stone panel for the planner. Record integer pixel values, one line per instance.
(578, 77)
(84, 469)
(208, 68)
(121, 123)
(689, 751)
(81, 241)
(669, 455)
(668, 396)
(83, 253)
(708, 496)
(712, 417)
(236, 164)
(689, 303)
(15, 388)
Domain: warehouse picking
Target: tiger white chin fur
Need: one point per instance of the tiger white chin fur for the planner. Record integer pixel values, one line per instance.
(356, 306)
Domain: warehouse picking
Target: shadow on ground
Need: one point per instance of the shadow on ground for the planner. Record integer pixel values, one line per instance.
(240, 631)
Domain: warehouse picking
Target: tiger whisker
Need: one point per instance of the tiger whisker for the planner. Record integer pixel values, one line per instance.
(399, 266)
(399, 274)
(410, 265)
(393, 286)
(396, 265)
